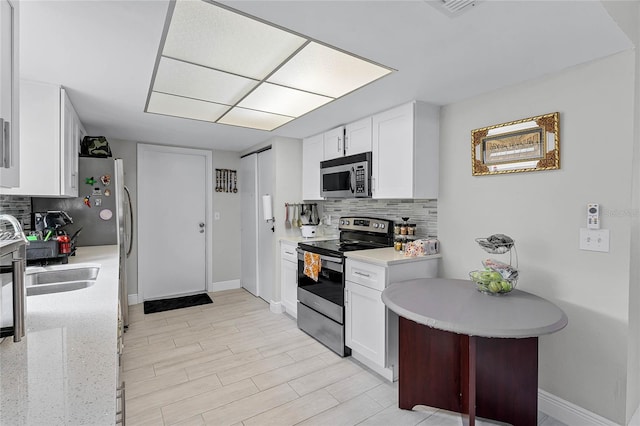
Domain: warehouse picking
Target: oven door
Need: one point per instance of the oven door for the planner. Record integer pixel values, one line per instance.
(6, 295)
(325, 296)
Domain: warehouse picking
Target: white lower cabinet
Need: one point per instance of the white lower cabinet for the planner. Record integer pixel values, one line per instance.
(288, 277)
(365, 316)
(371, 330)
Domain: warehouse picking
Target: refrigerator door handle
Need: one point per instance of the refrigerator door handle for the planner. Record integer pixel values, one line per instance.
(130, 207)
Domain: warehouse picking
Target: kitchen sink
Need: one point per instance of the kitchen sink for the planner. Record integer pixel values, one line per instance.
(57, 279)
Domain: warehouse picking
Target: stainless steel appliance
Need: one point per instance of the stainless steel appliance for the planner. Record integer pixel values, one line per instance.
(103, 212)
(12, 290)
(346, 177)
(321, 302)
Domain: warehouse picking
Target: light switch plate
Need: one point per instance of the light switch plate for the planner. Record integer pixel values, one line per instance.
(594, 239)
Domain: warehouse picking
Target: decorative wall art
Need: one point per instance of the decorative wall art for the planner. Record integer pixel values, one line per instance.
(524, 145)
(226, 180)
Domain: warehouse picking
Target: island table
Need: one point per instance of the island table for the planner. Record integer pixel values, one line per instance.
(468, 352)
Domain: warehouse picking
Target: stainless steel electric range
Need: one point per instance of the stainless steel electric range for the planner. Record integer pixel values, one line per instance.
(321, 302)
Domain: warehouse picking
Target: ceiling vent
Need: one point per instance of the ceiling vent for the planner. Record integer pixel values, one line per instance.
(452, 7)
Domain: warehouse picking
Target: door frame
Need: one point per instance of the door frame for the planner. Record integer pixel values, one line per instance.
(142, 148)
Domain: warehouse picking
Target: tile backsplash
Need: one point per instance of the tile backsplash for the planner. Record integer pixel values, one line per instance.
(17, 206)
(424, 213)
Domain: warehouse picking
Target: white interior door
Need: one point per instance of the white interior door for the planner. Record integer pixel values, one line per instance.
(174, 187)
(266, 236)
(248, 187)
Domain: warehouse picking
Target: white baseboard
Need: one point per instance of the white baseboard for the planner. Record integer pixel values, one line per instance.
(132, 299)
(387, 373)
(568, 412)
(276, 307)
(224, 285)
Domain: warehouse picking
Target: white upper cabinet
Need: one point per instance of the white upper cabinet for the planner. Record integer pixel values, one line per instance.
(312, 154)
(405, 152)
(358, 137)
(334, 143)
(50, 136)
(9, 95)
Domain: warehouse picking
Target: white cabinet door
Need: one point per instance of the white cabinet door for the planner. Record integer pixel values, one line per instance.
(365, 322)
(9, 96)
(312, 155)
(69, 147)
(288, 278)
(50, 137)
(393, 153)
(405, 152)
(358, 137)
(334, 143)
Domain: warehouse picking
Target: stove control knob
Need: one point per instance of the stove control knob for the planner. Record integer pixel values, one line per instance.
(376, 225)
(346, 222)
(341, 222)
(382, 226)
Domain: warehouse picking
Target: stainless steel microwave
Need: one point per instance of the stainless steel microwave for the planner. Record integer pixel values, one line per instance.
(346, 177)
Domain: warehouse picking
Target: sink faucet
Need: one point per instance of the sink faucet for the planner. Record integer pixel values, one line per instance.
(18, 234)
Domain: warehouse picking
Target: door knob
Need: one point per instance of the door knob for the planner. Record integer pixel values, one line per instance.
(201, 225)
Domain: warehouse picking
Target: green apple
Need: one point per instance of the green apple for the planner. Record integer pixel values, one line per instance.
(506, 286)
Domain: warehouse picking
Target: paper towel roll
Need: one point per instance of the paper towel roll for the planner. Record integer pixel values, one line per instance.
(267, 207)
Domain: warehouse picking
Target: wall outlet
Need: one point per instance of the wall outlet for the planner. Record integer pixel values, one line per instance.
(594, 240)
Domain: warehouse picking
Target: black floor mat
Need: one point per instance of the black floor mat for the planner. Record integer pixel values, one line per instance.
(152, 306)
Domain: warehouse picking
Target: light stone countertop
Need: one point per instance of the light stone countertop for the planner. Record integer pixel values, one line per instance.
(63, 372)
(301, 239)
(387, 256)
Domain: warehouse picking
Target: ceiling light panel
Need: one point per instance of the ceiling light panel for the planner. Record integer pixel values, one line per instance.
(283, 100)
(218, 38)
(254, 119)
(220, 65)
(327, 71)
(184, 79)
(178, 106)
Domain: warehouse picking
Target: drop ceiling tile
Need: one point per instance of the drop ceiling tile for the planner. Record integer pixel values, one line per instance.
(177, 106)
(194, 81)
(254, 119)
(282, 100)
(210, 35)
(326, 71)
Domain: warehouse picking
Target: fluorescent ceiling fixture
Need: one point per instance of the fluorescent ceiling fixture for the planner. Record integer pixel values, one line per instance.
(227, 67)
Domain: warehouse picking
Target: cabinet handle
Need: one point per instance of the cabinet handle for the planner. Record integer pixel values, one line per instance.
(338, 144)
(346, 297)
(5, 143)
(288, 252)
(74, 180)
(346, 139)
(362, 274)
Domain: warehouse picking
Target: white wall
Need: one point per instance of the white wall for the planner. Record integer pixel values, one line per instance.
(586, 363)
(226, 231)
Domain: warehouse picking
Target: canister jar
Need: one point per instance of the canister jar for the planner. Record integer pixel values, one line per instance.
(411, 229)
(397, 244)
(396, 228)
(403, 229)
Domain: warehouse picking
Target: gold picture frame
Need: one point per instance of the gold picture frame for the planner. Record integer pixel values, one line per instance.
(526, 145)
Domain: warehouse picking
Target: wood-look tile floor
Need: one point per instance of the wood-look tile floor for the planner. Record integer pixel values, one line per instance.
(234, 362)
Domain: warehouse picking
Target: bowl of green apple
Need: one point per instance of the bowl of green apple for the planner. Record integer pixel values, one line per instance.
(492, 282)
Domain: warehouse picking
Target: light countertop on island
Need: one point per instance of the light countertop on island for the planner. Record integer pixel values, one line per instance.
(64, 369)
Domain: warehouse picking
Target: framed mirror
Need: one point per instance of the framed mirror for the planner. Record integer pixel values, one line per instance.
(525, 145)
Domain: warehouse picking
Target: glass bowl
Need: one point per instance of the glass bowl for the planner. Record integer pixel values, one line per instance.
(491, 282)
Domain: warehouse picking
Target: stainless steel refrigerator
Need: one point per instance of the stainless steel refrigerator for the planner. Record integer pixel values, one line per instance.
(102, 212)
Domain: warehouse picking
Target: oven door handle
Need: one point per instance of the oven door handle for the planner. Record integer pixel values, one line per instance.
(323, 257)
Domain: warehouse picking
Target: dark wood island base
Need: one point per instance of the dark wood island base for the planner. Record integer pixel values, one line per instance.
(493, 378)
